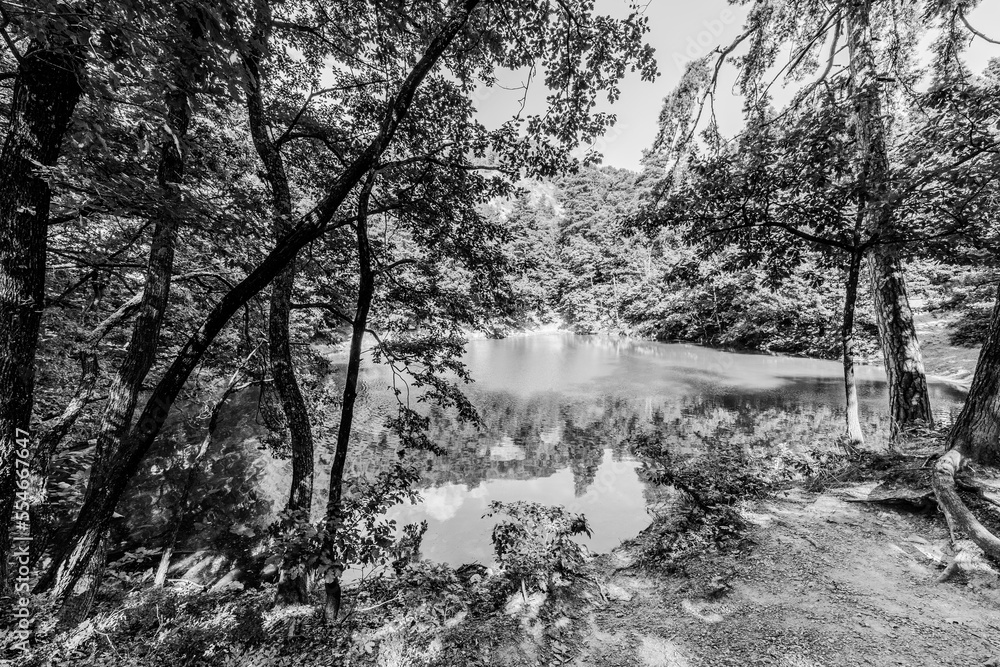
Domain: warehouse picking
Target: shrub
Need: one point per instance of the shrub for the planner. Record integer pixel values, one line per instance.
(536, 545)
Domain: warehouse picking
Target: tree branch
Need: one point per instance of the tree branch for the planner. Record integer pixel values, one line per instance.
(975, 32)
(325, 306)
(6, 38)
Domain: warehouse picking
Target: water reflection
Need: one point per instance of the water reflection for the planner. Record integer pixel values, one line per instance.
(558, 413)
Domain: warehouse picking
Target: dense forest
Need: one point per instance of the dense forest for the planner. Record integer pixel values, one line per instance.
(207, 205)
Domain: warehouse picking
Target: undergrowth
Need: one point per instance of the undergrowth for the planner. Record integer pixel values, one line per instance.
(709, 492)
(426, 610)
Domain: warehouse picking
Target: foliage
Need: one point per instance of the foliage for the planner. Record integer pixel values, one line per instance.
(592, 265)
(160, 627)
(968, 294)
(714, 485)
(347, 91)
(718, 301)
(359, 536)
(535, 545)
(738, 244)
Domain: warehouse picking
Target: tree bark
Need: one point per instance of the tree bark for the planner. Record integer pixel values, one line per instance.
(141, 350)
(976, 432)
(46, 91)
(955, 511)
(291, 589)
(855, 436)
(97, 509)
(366, 291)
(282, 368)
(909, 402)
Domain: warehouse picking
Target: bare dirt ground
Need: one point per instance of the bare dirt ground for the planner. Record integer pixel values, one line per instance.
(826, 582)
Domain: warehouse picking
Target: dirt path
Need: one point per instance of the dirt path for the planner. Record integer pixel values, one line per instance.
(828, 583)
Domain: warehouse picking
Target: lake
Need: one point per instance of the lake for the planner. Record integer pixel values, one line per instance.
(558, 412)
(559, 409)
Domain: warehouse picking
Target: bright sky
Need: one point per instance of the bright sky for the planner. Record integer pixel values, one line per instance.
(682, 30)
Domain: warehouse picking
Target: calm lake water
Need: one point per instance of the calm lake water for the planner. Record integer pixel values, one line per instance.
(559, 410)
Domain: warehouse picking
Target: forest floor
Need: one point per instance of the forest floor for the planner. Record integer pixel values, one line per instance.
(826, 582)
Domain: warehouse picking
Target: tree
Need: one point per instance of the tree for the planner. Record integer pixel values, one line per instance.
(959, 116)
(291, 589)
(909, 402)
(187, 68)
(893, 193)
(976, 432)
(808, 28)
(48, 83)
(774, 190)
(519, 36)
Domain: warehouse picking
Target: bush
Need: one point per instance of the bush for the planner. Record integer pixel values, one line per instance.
(536, 545)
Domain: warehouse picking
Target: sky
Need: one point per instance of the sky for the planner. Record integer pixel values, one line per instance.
(680, 31)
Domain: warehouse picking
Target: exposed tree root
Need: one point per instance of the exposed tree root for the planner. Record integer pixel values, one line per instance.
(957, 514)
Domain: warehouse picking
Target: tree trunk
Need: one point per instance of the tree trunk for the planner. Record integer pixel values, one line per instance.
(141, 351)
(291, 589)
(77, 606)
(366, 291)
(46, 91)
(98, 508)
(908, 398)
(292, 402)
(855, 437)
(909, 402)
(282, 369)
(976, 433)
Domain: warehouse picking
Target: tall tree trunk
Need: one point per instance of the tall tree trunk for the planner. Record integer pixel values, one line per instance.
(976, 433)
(366, 291)
(855, 436)
(282, 369)
(46, 91)
(99, 507)
(908, 399)
(141, 351)
(291, 589)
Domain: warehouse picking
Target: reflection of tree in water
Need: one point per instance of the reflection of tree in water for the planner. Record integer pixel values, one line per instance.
(533, 437)
(584, 456)
(522, 437)
(771, 419)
